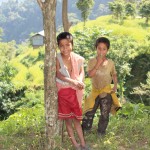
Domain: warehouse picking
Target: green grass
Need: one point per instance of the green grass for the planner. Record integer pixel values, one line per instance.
(126, 131)
(122, 134)
(23, 130)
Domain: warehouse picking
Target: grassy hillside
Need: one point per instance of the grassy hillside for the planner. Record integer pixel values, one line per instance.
(128, 27)
(29, 65)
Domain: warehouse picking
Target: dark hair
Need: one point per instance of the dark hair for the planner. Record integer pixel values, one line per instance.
(102, 40)
(65, 35)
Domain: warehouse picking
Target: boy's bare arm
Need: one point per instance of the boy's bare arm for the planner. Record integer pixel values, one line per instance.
(93, 71)
(81, 73)
(115, 80)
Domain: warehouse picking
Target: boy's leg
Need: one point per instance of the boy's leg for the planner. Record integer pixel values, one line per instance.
(105, 107)
(88, 117)
(78, 128)
(71, 132)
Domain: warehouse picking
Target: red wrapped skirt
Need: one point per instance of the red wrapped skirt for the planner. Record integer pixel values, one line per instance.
(68, 105)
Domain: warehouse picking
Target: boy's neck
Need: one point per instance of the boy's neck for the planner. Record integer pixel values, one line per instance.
(66, 57)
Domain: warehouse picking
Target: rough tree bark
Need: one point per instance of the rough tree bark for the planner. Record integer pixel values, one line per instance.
(66, 23)
(48, 8)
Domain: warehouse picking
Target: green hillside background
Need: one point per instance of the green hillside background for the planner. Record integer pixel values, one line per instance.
(22, 124)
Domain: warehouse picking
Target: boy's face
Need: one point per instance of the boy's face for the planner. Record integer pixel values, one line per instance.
(102, 49)
(65, 47)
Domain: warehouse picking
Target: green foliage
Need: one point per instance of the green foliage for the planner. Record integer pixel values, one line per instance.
(117, 7)
(130, 10)
(127, 28)
(7, 50)
(143, 91)
(85, 7)
(22, 48)
(134, 111)
(8, 98)
(120, 9)
(21, 121)
(30, 68)
(145, 10)
(12, 99)
(16, 78)
(32, 58)
(122, 50)
(142, 63)
(8, 93)
(24, 130)
(31, 98)
(7, 72)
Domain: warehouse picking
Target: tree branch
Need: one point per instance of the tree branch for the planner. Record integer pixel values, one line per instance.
(40, 4)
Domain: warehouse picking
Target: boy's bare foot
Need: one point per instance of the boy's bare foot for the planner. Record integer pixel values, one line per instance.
(78, 147)
(86, 147)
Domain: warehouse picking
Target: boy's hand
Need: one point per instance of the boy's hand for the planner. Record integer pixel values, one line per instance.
(78, 84)
(100, 59)
(114, 89)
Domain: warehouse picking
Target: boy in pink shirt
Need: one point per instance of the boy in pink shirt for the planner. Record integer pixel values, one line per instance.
(70, 75)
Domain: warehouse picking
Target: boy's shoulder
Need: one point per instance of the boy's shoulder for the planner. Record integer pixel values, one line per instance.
(77, 56)
(110, 61)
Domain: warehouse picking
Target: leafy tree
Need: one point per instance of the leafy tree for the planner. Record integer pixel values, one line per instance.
(130, 9)
(140, 67)
(145, 10)
(7, 72)
(9, 95)
(117, 8)
(85, 7)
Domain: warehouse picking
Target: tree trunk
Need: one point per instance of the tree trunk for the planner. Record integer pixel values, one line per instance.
(66, 24)
(147, 20)
(48, 8)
